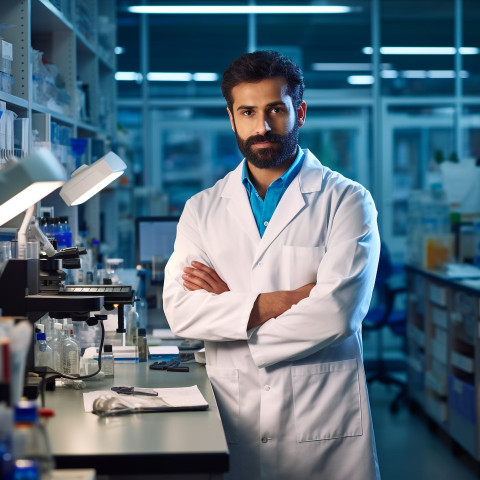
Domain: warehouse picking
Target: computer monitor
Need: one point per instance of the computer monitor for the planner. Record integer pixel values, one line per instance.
(155, 237)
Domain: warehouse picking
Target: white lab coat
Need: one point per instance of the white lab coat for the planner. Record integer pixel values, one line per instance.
(292, 392)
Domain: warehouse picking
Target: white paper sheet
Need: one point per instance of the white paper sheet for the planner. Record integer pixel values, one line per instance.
(168, 399)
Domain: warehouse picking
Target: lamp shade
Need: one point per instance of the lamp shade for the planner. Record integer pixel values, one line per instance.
(86, 181)
(25, 182)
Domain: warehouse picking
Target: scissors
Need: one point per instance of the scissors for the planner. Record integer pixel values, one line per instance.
(127, 390)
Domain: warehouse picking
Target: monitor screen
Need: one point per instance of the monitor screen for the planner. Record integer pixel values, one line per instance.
(155, 237)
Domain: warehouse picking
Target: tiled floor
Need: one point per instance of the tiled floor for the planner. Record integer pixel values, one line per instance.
(408, 448)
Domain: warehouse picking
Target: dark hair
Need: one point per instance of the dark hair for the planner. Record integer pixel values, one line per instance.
(257, 66)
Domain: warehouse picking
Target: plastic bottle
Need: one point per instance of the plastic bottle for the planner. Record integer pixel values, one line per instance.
(26, 470)
(57, 347)
(132, 327)
(43, 352)
(142, 345)
(30, 440)
(108, 361)
(6, 456)
(70, 352)
(67, 232)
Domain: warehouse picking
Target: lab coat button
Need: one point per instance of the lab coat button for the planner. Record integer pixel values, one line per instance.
(267, 387)
(265, 223)
(264, 439)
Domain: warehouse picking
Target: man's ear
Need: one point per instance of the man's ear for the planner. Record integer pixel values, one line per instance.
(302, 114)
(232, 121)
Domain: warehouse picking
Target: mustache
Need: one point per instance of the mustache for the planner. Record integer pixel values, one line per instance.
(268, 137)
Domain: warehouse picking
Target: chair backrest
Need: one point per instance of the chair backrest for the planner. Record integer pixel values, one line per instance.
(385, 268)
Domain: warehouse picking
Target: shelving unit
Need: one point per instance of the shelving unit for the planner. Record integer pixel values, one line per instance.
(77, 38)
(444, 354)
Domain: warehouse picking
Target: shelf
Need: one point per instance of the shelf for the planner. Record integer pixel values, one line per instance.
(84, 44)
(12, 100)
(55, 115)
(446, 382)
(48, 18)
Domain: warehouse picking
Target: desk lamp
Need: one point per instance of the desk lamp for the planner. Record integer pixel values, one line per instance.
(25, 182)
(86, 180)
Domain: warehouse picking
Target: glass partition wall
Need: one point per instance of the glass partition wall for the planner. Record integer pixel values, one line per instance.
(390, 86)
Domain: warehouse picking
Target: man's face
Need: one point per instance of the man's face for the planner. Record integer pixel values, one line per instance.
(265, 121)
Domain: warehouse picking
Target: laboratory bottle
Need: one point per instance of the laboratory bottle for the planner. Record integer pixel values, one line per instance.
(132, 327)
(6, 432)
(108, 361)
(67, 232)
(70, 352)
(30, 439)
(142, 345)
(57, 347)
(43, 352)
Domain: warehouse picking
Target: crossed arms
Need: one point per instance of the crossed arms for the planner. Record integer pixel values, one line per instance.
(266, 306)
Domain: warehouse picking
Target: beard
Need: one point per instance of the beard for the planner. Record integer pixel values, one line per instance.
(285, 146)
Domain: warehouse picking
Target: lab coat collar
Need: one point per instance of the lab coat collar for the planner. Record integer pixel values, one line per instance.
(292, 202)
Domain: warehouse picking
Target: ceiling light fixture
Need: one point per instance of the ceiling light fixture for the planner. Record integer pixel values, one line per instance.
(360, 79)
(128, 76)
(182, 77)
(422, 50)
(240, 9)
(345, 67)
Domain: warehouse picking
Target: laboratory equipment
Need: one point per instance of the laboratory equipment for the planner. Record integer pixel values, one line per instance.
(108, 361)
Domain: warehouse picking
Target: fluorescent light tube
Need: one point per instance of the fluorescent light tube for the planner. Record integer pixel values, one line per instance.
(360, 79)
(169, 76)
(239, 9)
(422, 50)
(129, 76)
(205, 77)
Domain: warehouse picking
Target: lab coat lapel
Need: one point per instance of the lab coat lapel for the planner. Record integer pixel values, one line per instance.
(308, 180)
(290, 204)
(239, 205)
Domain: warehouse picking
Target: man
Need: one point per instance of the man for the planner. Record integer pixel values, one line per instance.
(274, 269)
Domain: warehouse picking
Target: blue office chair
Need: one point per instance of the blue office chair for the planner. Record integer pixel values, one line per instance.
(382, 314)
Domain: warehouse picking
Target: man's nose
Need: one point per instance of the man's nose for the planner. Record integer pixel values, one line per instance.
(262, 125)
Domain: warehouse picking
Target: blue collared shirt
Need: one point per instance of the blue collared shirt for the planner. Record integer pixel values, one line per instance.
(263, 208)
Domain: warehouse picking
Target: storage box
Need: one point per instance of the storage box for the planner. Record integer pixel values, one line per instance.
(6, 50)
(6, 82)
(462, 362)
(436, 408)
(437, 295)
(461, 397)
(5, 66)
(440, 317)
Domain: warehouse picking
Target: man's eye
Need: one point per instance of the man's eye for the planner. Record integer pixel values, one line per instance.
(277, 110)
(247, 112)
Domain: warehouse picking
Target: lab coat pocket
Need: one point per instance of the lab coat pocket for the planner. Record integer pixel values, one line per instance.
(225, 385)
(301, 264)
(327, 400)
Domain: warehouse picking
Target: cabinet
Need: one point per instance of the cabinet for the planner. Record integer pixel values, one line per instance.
(63, 71)
(444, 353)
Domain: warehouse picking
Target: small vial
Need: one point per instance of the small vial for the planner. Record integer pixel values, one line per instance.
(107, 361)
(142, 345)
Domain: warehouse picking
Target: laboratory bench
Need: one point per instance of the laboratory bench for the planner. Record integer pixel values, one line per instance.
(443, 352)
(178, 444)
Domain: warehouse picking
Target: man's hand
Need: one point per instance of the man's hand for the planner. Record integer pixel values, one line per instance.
(273, 304)
(201, 277)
